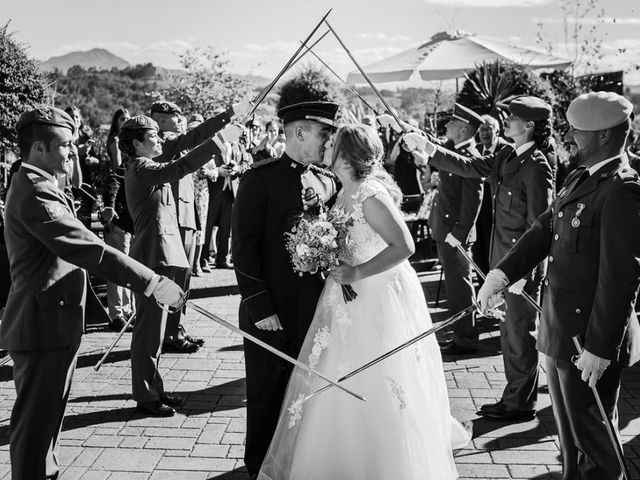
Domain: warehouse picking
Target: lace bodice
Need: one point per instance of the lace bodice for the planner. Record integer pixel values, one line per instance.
(363, 242)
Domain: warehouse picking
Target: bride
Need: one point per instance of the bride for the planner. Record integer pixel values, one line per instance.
(405, 429)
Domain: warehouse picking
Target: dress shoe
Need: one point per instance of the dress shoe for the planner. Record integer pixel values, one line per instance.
(453, 348)
(171, 400)
(196, 271)
(224, 265)
(196, 340)
(204, 266)
(118, 322)
(180, 345)
(156, 408)
(500, 412)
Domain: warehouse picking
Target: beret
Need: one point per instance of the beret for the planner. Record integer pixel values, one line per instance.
(530, 108)
(595, 111)
(165, 107)
(466, 115)
(321, 112)
(139, 122)
(45, 115)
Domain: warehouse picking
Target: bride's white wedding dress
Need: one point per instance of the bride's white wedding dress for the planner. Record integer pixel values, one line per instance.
(405, 429)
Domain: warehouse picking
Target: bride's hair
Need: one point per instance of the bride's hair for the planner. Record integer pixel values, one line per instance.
(360, 146)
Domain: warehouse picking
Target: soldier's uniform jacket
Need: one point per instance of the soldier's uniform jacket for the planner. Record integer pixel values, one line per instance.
(521, 189)
(49, 248)
(591, 234)
(457, 202)
(269, 197)
(172, 148)
(113, 195)
(152, 206)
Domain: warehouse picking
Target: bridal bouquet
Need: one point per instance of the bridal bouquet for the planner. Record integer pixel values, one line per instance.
(317, 241)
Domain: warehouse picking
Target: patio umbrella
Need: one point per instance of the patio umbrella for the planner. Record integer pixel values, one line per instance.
(451, 55)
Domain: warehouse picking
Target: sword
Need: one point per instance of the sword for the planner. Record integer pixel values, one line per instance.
(349, 87)
(453, 319)
(268, 347)
(5, 360)
(366, 77)
(608, 424)
(97, 366)
(261, 96)
(475, 266)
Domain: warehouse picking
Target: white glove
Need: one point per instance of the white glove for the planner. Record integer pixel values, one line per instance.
(167, 292)
(452, 240)
(592, 367)
(242, 108)
(230, 134)
(414, 141)
(488, 295)
(634, 341)
(517, 287)
(385, 120)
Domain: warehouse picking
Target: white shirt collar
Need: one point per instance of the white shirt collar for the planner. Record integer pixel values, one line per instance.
(594, 168)
(491, 148)
(41, 172)
(523, 148)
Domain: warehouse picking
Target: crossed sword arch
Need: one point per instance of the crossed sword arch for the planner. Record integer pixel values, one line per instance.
(297, 56)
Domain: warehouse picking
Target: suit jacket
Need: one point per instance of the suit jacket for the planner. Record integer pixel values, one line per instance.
(49, 250)
(173, 147)
(521, 188)
(152, 206)
(591, 234)
(457, 202)
(269, 197)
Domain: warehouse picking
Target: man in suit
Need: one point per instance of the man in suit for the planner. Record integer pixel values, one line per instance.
(177, 142)
(277, 304)
(157, 244)
(452, 221)
(490, 142)
(591, 234)
(49, 250)
(522, 188)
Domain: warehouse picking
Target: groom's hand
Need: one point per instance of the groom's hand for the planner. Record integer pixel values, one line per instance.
(270, 323)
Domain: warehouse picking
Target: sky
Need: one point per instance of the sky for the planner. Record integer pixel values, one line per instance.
(259, 36)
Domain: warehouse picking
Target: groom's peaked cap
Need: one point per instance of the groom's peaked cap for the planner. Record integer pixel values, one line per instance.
(321, 112)
(466, 115)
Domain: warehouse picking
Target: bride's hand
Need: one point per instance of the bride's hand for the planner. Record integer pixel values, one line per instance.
(345, 274)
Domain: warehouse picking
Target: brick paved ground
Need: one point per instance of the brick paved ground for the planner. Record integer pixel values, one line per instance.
(104, 438)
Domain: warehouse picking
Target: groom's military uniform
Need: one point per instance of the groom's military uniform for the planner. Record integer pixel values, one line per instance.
(268, 200)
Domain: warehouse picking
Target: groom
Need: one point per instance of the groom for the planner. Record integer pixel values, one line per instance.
(277, 304)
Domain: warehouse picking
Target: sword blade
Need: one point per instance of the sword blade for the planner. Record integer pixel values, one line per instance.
(608, 424)
(114, 343)
(454, 318)
(273, 350)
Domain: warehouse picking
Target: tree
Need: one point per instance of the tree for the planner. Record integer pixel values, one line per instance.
(22, 86)
(310, 84)
(207, 85)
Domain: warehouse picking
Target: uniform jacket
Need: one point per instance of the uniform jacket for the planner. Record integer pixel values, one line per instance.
(592, 237)
(174, 146)
(457, 202)
(114, 196)
(152, 206)
(521, 189)
(49, 250)
(269, 197)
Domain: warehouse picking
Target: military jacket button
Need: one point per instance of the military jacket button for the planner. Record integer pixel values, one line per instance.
(446, 215)
(560, 214)
(556, 236)
(513, 240)
(61, 303)
(550, 258)
(546, 282)
(578, 311)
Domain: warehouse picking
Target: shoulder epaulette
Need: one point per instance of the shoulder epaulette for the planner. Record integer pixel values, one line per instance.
(262, 163)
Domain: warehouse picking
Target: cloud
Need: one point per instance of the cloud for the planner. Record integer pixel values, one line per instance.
(278, 46)
(488, 3)
(384, 37)
(590, 20)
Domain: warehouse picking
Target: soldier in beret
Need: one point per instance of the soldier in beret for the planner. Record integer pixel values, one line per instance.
(453, 216)
(277, 305)
(591, 234)
(49, 250)
(522, 189)
(156, 243)
(176, 143)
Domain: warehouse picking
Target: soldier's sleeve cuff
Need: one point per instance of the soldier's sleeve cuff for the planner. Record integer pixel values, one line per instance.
(260, 305)
(152, 285)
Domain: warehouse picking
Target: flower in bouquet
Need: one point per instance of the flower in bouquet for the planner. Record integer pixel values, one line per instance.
(317, 241)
